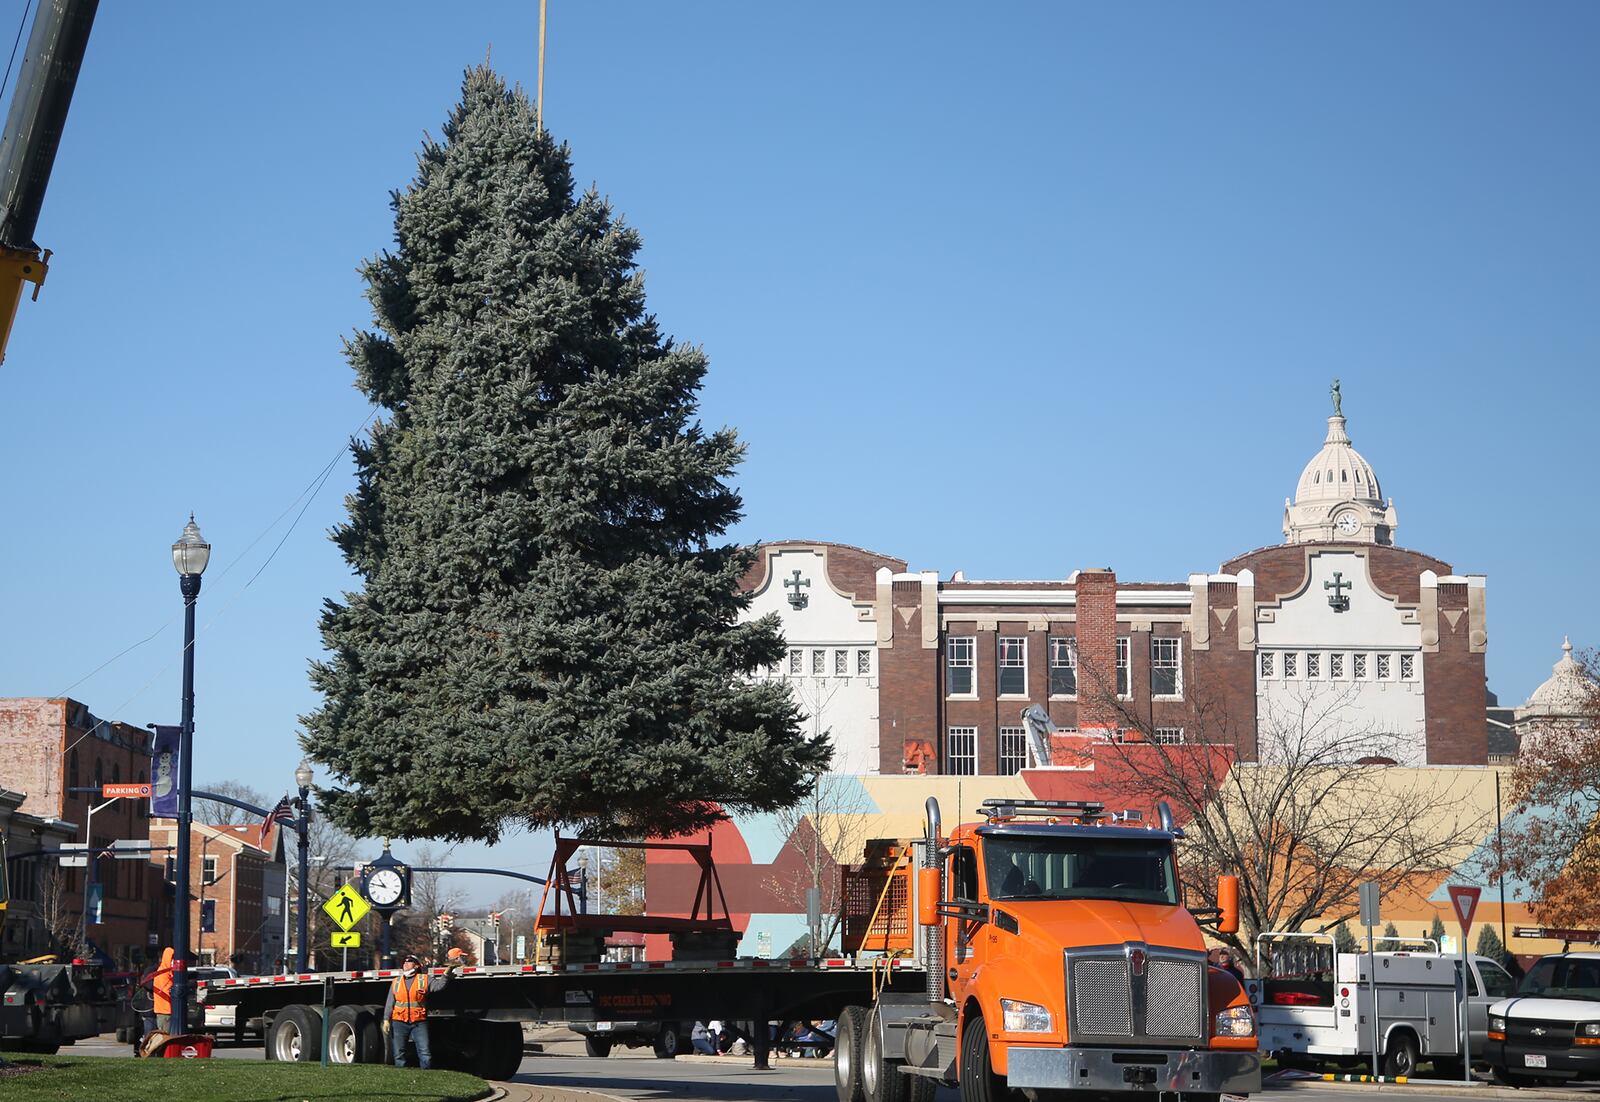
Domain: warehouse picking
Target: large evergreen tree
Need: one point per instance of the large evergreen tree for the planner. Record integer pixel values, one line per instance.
(547, 631)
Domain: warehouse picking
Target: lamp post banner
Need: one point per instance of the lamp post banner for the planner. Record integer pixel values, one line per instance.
(164, 772)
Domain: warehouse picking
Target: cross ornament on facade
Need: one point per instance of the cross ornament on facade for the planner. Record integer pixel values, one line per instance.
(1338, 600)
(797, 599)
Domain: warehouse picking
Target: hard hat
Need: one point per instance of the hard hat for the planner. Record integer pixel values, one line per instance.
(454, 953)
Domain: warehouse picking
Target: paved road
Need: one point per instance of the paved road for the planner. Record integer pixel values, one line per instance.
(636, 1074)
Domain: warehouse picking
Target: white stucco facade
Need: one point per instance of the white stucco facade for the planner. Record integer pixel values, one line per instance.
(832, 662)
(1358, 668)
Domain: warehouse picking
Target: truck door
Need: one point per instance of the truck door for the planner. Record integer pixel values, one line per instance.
(1489, 983)
(960, 933)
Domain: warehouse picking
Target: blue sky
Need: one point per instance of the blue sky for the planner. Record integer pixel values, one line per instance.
(1013, 289)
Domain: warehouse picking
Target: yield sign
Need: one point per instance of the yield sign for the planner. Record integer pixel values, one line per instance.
(346, 907)
(1465, 901)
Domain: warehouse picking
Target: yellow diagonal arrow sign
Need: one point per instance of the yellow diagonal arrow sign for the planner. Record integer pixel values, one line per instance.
(346, 907)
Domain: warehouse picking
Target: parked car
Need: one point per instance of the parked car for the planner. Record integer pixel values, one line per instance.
(1549, 1032)
(218, 1019)
(668, 1039)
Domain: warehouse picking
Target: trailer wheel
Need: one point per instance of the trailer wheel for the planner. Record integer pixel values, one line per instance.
(598, 1047)
(499, 1050)
(847, 1055)
(1401, 1058)
(979, 1083)
(668, 1043)
(296, 1035)
(354, 1036)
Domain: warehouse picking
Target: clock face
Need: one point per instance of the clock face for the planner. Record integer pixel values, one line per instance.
(1347, 523)
(385, 887)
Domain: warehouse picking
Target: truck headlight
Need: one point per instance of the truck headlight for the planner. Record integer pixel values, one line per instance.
(1496, 1025)
(1236, 1021)
(1021, 1017)
(1590, 1029)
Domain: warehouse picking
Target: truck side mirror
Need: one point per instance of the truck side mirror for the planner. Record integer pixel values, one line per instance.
(1228, 904)
(928, 892)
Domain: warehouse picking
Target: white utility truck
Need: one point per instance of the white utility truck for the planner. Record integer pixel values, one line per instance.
(1315, 1005)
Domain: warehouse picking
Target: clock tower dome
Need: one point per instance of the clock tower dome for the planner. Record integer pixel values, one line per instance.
(1338, 499)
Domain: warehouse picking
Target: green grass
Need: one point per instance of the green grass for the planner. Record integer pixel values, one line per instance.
(123, 1079)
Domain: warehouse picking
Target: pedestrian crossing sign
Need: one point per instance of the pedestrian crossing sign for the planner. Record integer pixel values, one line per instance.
(350, 940)
(346, 907)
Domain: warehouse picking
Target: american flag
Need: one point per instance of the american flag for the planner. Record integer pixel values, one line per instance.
(281, 813)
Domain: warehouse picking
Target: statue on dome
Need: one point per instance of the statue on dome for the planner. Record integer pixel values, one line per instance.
(1334, 390)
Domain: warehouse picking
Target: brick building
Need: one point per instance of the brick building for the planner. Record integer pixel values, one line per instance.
(27, 921)
(50, 746)
(1391, 643)
(234, 875)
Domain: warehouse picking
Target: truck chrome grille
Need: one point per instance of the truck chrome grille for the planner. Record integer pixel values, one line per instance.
(1135, 995)
(1172, 1005)
(1101, 1002)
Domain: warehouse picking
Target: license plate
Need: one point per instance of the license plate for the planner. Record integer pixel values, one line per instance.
(1533, 1061)
(605, 1027)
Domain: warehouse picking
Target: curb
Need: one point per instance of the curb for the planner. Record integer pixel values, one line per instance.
(1475, 1090)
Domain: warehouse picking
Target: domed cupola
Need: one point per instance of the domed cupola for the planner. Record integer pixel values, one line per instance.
(1566, 694)
(1338, 498)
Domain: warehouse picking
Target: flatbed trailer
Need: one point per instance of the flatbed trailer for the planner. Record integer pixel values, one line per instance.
(475, 1022)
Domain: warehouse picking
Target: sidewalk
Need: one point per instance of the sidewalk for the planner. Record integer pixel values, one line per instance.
(534, 1092)
(1437, 1086)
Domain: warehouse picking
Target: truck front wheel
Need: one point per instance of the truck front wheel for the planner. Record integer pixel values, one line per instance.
(979, 1083)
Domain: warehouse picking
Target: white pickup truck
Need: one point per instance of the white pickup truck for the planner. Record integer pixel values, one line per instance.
(1549, 1033)
(1315, 1004)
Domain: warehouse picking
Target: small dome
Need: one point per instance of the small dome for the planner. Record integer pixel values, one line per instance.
(1338, 472)
(1567, 693)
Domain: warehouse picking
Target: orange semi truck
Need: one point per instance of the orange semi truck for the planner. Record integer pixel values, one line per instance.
(1060, 959)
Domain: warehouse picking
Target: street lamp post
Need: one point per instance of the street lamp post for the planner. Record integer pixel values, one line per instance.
(302, 777)
(189, 557)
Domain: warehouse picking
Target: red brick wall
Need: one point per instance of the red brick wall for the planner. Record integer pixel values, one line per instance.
(910, 688)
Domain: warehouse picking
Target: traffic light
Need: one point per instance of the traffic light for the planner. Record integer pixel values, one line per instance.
(208, 916)
(446, 921)
(494, 919)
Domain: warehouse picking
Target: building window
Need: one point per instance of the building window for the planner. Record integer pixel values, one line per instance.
(1291, 664)
(841, 663)
(1166, 666)
(1313, 665)
(1408, 667)
(1013, 665)
(1336, 665)
(1013, 749)
(961, 751)
(1169, 736)
(1358, 666)
(1122, 665)
(819, 662)
(1384, 667)
(72, 770)
(1064, 666)
(797, 661)
(208, 874)
(1267, 664)
(863, 662)
(959, 678)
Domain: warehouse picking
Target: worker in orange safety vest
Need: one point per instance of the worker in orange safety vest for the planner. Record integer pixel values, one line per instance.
(406, 1010)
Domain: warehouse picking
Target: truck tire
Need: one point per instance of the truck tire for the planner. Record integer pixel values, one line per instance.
(1400, 1059)
(598, 1047)
(847, 1055)
(354, 1036)
(668, 1043)
(499, 1050)
(979, 1083)
(296, 1034)
(881, 1080)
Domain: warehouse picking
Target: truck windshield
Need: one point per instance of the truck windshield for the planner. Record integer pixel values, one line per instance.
(1074, 867)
